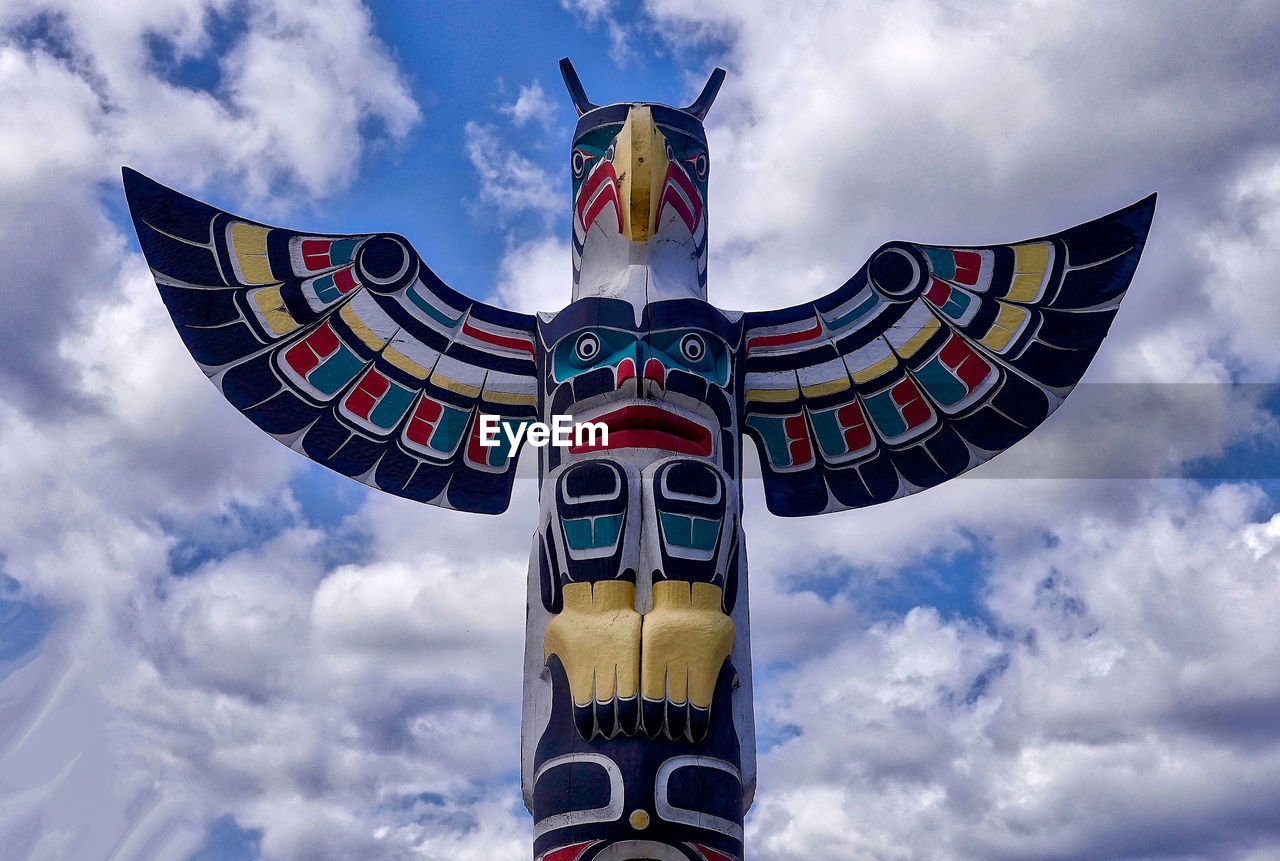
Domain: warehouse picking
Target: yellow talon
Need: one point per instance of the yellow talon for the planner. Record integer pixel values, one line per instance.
(685, 640)
(597, 636)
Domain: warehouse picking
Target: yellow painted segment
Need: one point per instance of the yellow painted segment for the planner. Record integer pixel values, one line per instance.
(639, 819)
(512, 398)
(272, 310)
(597, 637)
(454, 386)
(1008, 323)
(884, 366)
(1031, 258)
(1025, 288)
(919, 338)
(830, 387)
(404, 363)
(363, 332)
(685, 640)
(249, 243)
(640, 159)
(773, 396)
(1029, 264)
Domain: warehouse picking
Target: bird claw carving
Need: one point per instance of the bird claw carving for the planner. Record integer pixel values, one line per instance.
(597, 638)
(685, 640)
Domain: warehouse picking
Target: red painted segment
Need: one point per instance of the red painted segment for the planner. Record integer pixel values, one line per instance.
(971, 368)
(306, 355)
(711, 854)
(568, 853)
(604, 173)
(364, 397)
(939, 292)
(315, 253)
(787, 337)
(606, 197)
(800, 447)
(496, 339)
(424, 421)
(651, 427)
(345, 280)
(653, 370)
(915, 411)
(853, 421)
(968, 266)
(670, 196)
(625, 371)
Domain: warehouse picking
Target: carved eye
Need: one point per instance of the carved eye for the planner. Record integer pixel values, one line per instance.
(579, 162)
(608, 154)
(671, 156)
(588, 347)
(692, 347)
(698, 164)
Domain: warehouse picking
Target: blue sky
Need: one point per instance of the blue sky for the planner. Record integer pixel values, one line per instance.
(224, 652)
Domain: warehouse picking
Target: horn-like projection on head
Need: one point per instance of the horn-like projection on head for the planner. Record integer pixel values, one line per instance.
(571, 81)
(582, 104)
(702, 103)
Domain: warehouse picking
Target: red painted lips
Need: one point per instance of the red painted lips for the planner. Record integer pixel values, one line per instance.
(651, 427)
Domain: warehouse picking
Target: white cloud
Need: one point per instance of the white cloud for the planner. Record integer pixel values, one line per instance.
(510, 183)
(1123, 709)
(535, 276)
(531, 105)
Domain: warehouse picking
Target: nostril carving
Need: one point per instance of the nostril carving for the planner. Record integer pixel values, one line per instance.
(653, 370)
(626, 371)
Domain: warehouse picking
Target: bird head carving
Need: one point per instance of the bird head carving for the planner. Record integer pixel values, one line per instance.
(640, 173)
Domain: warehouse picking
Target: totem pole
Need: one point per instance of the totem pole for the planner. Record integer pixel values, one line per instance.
(637, 738)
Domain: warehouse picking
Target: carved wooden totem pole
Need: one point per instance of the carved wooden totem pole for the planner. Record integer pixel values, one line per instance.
(638, 740)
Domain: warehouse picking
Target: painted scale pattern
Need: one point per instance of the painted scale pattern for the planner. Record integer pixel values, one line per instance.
(929, 361)
(347, 349)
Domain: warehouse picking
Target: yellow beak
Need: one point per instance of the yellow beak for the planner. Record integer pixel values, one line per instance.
(641, 160)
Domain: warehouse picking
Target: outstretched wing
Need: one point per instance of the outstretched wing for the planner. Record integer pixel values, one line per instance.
(345, 348)
(929, 361)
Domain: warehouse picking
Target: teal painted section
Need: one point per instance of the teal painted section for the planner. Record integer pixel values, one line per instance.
(587, 533)
(452, 425)
(863, 307)
(774, 435)
(430, 310)
(696, 533)
(342, 250)
(941, 262)
(826, 427)
(394, 404)
(884, 414)
(337, 370)
(941, 384)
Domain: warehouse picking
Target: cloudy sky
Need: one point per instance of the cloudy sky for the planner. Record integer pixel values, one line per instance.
(212, 650)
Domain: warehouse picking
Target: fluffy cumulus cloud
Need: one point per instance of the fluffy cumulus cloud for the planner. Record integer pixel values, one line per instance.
(273, 680)
(1096, 678)
(1117, 702)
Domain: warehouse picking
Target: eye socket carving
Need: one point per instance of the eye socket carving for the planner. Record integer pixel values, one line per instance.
(579, 160)
(692, 347)
(587, 347)
(699, 165)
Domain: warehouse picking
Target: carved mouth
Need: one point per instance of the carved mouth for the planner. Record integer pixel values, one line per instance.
(651, 427)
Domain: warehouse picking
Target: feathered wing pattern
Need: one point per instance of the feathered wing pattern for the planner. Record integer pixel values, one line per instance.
(929, 361)
(345, 348)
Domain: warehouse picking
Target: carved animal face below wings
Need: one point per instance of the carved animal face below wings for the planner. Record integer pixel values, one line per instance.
(929, 361)
(345, 348)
